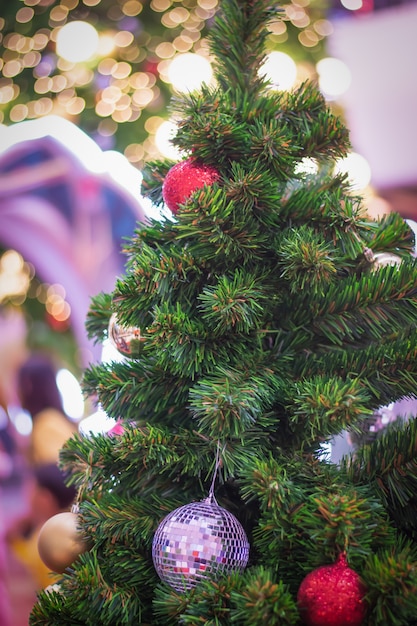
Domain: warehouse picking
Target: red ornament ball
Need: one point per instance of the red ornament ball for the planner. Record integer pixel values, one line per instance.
(184, 178)
(332, 595)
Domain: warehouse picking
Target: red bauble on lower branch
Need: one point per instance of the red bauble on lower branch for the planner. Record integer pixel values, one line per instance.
(184, 178)
(332, 595)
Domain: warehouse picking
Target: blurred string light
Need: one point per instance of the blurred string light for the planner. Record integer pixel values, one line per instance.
(77, 41)
(97, 423)
(72, 402)
(280, 69)
(71, 393)
(307, 166)
(18, 282)
(334, 77)
(187, 72)
(15, 277)
(352, 5)
(357, 169)
(163, 138)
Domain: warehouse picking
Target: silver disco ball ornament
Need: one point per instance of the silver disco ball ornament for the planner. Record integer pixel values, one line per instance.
(198, 541)
(124, 338)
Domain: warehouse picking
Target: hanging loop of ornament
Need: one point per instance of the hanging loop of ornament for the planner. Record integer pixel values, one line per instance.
(215, 471)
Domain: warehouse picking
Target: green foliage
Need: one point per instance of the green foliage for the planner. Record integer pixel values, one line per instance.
(267, 330)
(392, 583)
(390, 464)
(262, 600)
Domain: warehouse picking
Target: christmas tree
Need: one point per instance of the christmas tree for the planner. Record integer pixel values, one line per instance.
(267, 316)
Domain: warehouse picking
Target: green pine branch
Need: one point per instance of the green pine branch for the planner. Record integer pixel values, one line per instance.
(389, 464)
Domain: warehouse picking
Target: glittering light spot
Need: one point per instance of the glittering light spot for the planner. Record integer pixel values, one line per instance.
(72, 396)
(307, 166)
(58, 14)
(334, 77)
(18, 113)
(121, 116)
(123, 39)
(77, 41)
(134, 152)
(59, 82)
(352, 5)
(111, 94)
(357, 169)
(104, 109)
(40, 40)
(106, 66)
(121, 70)
(11, 41)
(12, 68)
(31, 59)
(277, 27)
(298, 16)
(24, 15)
(208, 4)
(8, 93)
(163, 140)
(308, 38)
(160, 5)
(71, 4)
(75, 106)
(280, 69)
(15, 275)
(123, 103)
(142, 97)
(43, 106)
(25, 44)
(105, 45)
(132, 8)
(189, 71)
(152, 124)
(182, 44)
(139, 80)
(107, 128)
(165, 50)
(323, 27)
(179, 15)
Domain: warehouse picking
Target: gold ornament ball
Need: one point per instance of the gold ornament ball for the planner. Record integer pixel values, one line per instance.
(123, 338)
(60, 541)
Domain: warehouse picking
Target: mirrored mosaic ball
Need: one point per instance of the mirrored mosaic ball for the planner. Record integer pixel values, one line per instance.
(121, 337)
(197, 541)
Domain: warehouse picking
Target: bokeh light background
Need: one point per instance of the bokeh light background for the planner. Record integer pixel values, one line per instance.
(112, 67)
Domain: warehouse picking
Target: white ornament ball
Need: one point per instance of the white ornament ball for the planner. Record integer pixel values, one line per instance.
(198, 541)
(382, 259)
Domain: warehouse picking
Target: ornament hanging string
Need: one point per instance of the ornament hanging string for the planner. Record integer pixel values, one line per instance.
(198, 541)
(367, 252)
(211, 497)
